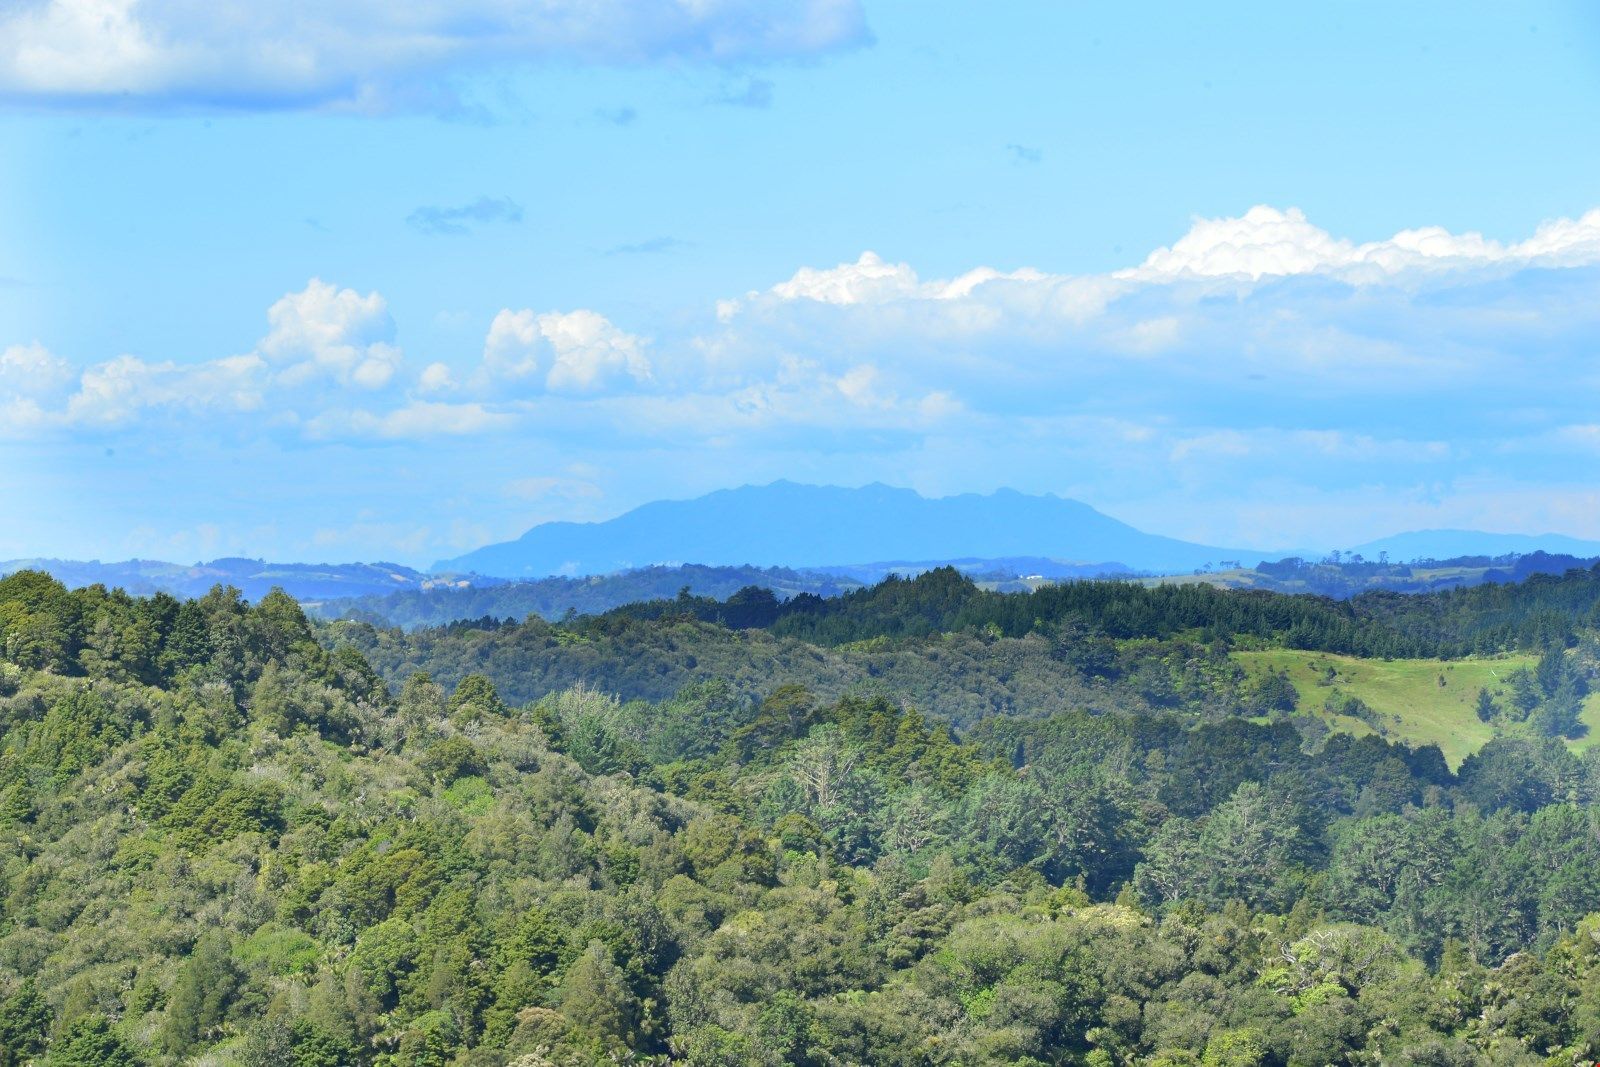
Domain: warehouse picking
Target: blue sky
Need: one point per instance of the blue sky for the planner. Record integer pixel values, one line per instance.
(337, 283)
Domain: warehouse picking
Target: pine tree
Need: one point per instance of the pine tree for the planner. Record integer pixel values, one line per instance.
(24, 1022)
(90, 1042)
(200, 997)
(1486, 706)
(596, 997)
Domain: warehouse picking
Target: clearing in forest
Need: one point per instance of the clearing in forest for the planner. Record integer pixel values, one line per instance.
(1419, 701)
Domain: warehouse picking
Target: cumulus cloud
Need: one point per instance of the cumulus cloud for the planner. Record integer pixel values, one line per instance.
(323, 330)
(32, 381)
(1266, 241)
(319, 339)
(298, 53)
(33, 372)
(121, 389)
(459, 220)
(872, 280)
(436, 378)
(1266, 294)
(564, 352)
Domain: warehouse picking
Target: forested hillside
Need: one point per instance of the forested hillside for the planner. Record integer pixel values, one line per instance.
(961, 653)
(228, 839)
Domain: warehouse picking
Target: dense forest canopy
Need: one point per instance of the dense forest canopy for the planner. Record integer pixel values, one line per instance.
(231, 835)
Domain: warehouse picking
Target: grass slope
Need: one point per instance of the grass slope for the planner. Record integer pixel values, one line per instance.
(1407, 694)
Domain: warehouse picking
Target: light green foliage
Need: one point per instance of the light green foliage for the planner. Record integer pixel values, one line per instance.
(280, 951)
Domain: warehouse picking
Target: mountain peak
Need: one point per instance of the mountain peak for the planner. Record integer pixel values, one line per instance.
(792, 524)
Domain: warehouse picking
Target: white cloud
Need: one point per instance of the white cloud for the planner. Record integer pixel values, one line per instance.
(871, 280)
(436, 378)
(574, 352)
(591, 353)
(120, 389)
(32, 372)
(514, 346)
(318, 336)
(1030, 339)
(323, 330)
(348, 53)
(1268, 242)
(868, 279)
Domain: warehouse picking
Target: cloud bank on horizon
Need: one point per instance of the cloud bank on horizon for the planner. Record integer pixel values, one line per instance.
(1254, 356)
(156, 54)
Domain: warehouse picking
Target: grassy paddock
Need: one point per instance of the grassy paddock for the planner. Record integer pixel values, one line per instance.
(1411, 703)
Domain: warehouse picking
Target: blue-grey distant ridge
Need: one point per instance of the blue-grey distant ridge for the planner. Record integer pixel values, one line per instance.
(793, 525)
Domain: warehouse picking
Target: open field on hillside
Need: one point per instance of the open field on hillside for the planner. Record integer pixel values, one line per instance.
(1413, 579)
(1420, 701)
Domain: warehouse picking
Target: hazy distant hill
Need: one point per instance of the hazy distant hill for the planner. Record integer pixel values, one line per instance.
(553, 598)
(253, 577)
(1452, 544)
(1348, 577)
(785, 524)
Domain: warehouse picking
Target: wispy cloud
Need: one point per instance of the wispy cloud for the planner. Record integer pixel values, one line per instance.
(459, 220)
(617, 116)
(654, 246)
(1021, 153)
(754, 93)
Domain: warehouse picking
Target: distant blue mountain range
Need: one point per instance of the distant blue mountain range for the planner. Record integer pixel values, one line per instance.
(825, 534)
(785, 524)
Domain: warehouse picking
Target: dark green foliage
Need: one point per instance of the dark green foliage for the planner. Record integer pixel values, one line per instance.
(1536, 613)
(24, 1023)
(1486, 707)
(451, 758)
(207, 983)
(474, 699)
(1274, 692)
(90, 1042)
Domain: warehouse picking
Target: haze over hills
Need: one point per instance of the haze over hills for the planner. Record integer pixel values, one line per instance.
(252, 577)
(792, 525)
(1449, 544)
(798, 538)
